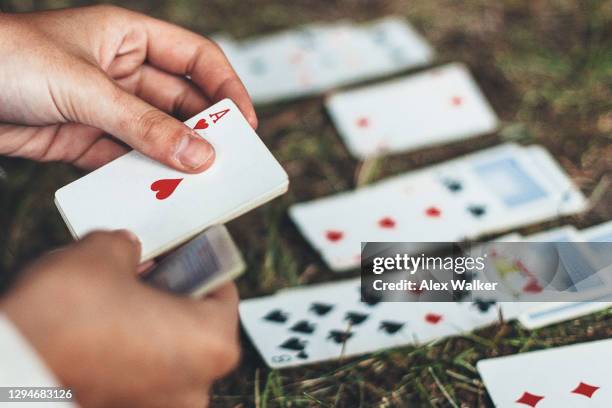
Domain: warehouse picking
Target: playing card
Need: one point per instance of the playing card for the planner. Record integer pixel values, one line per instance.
(599, 241)
(200, 266)
(549, 313)
(543, 271)
(573, 376)
(484, 192)
(329, 321)
(165, 207)
(317, 57)
(428, 108)
(596, 288)
(566, 195)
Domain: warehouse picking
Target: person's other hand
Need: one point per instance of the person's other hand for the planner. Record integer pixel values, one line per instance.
(115, 341)
(71, 78)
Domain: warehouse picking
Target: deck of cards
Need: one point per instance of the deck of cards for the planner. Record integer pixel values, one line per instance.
(166, 208)
(490, 191)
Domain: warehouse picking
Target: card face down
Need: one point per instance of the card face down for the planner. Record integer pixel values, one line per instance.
(165, 207)
(573, 376)
(198, 267)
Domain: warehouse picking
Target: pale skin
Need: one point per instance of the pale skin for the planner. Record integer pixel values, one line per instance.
(84, 86)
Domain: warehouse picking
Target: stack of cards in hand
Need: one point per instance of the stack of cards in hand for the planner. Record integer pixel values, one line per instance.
(318, 57)
(166, 208)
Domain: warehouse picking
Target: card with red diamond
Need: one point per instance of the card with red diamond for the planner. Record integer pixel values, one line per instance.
(440, 105)
(571, 376)
(488, 191)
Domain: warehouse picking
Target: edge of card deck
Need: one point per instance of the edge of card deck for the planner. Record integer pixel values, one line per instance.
(200, 266)
(245, 175)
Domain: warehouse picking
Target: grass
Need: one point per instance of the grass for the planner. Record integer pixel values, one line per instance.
(547, 69)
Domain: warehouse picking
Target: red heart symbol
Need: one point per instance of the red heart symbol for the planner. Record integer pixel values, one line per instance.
(456, 100)
(334, 236)
(386, 222)
(433, 318)
(433, 212)
(165, 187)
(202, 124)
(363, 122)
(532, 287)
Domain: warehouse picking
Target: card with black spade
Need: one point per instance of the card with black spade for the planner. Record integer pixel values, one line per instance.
(573, 376)
(330, 321)
(165, 207)
(484, 192)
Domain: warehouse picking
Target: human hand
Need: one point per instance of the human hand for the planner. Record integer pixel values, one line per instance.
(71, 78)
(114, 341)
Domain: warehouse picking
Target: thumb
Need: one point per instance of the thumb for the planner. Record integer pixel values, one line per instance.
(147, 129)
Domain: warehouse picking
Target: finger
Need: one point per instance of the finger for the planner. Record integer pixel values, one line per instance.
(226, 294)
(85, 146)
(170, 93)
(219, 311)
(145, 128)
(183, 52)
(102, 151)
(119, 249)
(145, 267)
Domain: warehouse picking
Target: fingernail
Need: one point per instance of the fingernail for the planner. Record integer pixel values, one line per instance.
(193, 152)
(253, 121)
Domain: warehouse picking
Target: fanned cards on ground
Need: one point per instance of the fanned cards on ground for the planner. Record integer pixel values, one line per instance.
(488, 191)
(318, 57)
(440, 105)
(330, 321)
(572, 376)
(165, 207)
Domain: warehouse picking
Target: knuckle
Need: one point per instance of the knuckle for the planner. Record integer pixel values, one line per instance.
(226, 355)
(106, 10)
(149, 125)
(96, 238)
(211, 45)
(111, 243)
